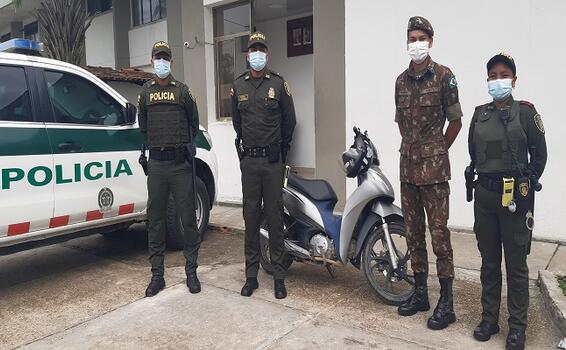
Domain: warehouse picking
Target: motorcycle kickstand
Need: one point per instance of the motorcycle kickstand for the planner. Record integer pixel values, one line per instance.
(330, 270)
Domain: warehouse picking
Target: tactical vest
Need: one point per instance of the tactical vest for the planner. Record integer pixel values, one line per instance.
(167, 123)
(492, 149)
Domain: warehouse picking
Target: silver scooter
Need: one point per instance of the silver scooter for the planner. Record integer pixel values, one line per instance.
(370, 234)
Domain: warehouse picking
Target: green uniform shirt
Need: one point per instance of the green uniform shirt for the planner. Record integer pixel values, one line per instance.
(263, 110)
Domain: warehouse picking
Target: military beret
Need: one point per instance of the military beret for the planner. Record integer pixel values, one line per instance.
(502, 58)
(420, 23)
(161, 47)
(257, 38)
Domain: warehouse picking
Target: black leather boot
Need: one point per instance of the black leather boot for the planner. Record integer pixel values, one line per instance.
(249, 287)
(193, 283)
(485, 330)
(280, 290)
(515, 339)
(444, 312)
(419, 300)
(155, 285)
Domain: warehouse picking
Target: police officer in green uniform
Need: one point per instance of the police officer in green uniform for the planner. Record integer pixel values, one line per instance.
(264, 120)
(508, 149)
(168, 118)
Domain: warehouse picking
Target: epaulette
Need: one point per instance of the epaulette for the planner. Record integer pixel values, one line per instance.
(527, 104)
(242, 75)
(173, 82)
(276, 74)
(481, 106)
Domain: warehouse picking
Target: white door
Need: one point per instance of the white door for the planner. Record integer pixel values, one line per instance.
(26, 162)
(96, 170)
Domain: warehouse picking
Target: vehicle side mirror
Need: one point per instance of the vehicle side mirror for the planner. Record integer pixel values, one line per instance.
(131, 112)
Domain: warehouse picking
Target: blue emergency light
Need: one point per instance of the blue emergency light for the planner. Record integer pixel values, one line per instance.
(22, 46)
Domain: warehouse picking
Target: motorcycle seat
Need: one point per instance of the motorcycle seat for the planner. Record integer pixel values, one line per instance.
(319, 190)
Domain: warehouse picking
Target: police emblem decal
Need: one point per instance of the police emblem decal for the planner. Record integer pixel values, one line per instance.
(105, 199)
(271, 93)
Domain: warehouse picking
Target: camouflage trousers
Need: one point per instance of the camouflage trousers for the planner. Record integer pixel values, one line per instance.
(434, 199)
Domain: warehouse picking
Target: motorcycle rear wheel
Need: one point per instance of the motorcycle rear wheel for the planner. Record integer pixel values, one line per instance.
(265, 256)
(392, 287)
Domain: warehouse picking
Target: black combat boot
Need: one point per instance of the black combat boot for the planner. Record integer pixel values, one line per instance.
(193, 283)
(485, 330)
(419, 300)
(280, 290)
(249, 287)
(444, 312)
(156, 284)
(515, 339)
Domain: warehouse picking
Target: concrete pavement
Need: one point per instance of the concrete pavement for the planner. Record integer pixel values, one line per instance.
(88, 293)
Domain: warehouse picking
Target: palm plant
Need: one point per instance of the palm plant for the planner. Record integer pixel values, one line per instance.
(62, 28)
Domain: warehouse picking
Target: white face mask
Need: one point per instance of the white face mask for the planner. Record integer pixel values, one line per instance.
(418, 51)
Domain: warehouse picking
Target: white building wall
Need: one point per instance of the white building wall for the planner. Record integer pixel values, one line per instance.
(467, 34)
(100, 41)
(141, 41)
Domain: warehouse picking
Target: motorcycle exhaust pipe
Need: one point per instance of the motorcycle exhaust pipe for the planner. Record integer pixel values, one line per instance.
(290, 247)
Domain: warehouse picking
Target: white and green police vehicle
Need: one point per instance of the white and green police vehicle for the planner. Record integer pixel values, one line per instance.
(69, 149)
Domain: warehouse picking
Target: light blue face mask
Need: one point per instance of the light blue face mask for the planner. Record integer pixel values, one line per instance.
(258, 60)
(500, 89)
(162, 68)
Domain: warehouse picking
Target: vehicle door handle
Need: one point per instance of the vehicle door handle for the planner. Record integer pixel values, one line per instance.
(70, 147)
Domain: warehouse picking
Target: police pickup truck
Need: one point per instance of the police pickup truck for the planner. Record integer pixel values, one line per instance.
(69, 149)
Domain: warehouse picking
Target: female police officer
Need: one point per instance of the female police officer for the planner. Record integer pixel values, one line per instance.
(508, 148)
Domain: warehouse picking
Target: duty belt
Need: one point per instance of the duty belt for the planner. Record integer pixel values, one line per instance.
(494, 183)
(256, 152)
(162, 153)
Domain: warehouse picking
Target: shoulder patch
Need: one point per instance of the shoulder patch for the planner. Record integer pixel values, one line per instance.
(538, 122)
(527, 103)
(287, 88)
(452, 83)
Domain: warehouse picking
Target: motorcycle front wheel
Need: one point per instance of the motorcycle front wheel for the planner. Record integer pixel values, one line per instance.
(393, 286)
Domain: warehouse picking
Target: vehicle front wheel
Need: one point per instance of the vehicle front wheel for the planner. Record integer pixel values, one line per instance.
(175, 232)
(393, 286)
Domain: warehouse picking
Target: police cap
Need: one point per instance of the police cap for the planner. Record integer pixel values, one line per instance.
(161, 47)
(502, 58)
(420, 23)
(257, 38)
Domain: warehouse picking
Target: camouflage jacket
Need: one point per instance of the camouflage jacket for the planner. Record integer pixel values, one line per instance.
(424, 101)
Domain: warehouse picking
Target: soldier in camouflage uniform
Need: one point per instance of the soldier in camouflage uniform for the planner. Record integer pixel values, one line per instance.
(506, 139)
(426, 96)
(167, 114)
(264, 121)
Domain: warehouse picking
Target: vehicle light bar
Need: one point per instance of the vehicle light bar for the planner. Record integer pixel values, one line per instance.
(22, 46)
